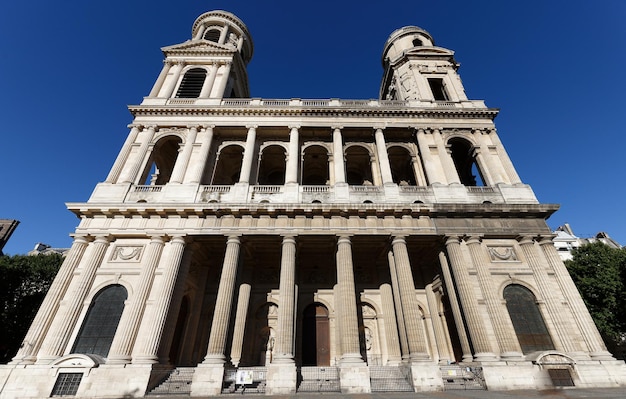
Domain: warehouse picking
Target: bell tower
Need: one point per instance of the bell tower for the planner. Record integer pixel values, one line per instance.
(210, 65)
(416, 69)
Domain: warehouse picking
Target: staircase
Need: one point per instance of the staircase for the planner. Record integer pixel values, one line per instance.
(456, 377)
(178, 382)
(390, 379)
(318, 379)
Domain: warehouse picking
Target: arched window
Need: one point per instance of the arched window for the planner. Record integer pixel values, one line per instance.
(162, 161)
(272, 165)
(192, 82)
(228, 166)
(98, 329)
(358, 166)
(213, 35)
(528, 323)
(465, 162)
(315, 166)
(417, 42)
(401, 166)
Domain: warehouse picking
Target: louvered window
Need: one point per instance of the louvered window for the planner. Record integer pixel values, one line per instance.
(212, 35)
(192, 82)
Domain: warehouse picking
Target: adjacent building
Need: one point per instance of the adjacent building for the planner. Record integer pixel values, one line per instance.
(294, 245)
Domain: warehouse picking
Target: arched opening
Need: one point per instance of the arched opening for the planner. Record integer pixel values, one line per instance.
(212, 35)
(528, 323)
(176, 349)
(191, 85)
(315, 336)
(315, 166)
(417, 42)
(465, 162)
(228, 165)
(98, 329)
(401, 166)
(358, 166)
(162, 161)
(272, 166)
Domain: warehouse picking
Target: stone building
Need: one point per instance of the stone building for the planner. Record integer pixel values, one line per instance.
(352, 245)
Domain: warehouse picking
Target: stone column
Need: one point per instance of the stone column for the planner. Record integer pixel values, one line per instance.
(404, 343)
(182, 160)
(440, 336)
(223, 303)
(433, 174)
(350, 348)
(63, 324)
(456, 309)
(291, 174)
(207, 85)
(221, 84)
(286, 308)
(482, 162)
(129, 175)
(495, 169)
(391, 326)
(375, 168)
(243, 302)
(502, 325)
(122, 345)
(148, 349)
(50, 305)
(340, 171)
(196, 171)
(420, 178)
(381, 147)
(412, 319)
(167, 64)
(483, 350)
(561, 335)
(167, 90)
(248, 155)
(447, 163)
(123, 155)
(583, 319)
(504, 157)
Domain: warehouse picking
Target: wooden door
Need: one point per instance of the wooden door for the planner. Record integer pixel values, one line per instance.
(315, 336)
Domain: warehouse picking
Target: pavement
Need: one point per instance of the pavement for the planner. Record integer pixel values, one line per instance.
(563, 393)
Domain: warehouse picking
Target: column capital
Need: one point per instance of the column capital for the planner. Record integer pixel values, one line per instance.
(133, 125)
(344, 239)
(473, 239)
(453, 240)
(292, 127)
(379, 127)
(335, 128)
(194, 126)
(234, 239)
(104, 238)
(398, 240)
(525, 240)
(289, 239)
(546, 239)
(252, 127)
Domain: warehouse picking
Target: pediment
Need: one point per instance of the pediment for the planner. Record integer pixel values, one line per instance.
(550, 358)
(438, 51)
(78, 360)
(197, 46)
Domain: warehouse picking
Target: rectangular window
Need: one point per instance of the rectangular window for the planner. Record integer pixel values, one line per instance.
(561, 377)
(67, 384)
(438, 89)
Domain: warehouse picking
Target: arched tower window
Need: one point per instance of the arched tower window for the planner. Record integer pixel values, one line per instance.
(162, 161)
(417, 42)
(528, 323)
(191, 85)
(358, 166)
(228, 165)
(212, 35)
(272, 165)
(98, 329)
(401, 166)
(465, 162)
(315, 166)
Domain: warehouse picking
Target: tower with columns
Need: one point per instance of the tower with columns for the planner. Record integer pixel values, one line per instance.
(291, 245)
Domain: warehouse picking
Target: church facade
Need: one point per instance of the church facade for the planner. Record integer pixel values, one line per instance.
(309, 245)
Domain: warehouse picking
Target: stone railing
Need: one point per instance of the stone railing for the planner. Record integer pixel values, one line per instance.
(315, 189)
(221, 189)
(266, 189)
(148, 189)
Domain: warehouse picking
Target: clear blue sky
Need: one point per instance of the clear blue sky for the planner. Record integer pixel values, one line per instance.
(554, 68)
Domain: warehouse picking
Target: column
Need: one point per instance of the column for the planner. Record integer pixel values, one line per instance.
(420, 178)
(63, 324)
(432, 173)
(583, 319)
(440, 338)
(456, 309)
(167, 90)
(182, 160)
(243, 302)
(502, 325)
(350, 348)
(286, 307)
(248, 155)
(148, 348)
(122, 345)
(221, 84)
(223, 303)
(376, 176)
(447, 163)
(494, 170)
(196, 170)
(412, 318)
(209, 81)
(167, 64)
(561, 339)
(340, 171)
(122, 157)
(484, 166)
(391, 326)
(130, 174)
(475, 326)
(291, 174)
(50, 305)
(381, 148)
(404, 343)
(504, 158)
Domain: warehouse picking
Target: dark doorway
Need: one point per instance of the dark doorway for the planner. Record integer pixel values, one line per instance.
(315, 336)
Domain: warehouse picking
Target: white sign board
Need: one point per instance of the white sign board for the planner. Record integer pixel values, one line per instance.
(244, 377)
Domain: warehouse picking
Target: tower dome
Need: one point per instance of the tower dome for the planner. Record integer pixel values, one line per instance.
(224, 28)
(404, 39)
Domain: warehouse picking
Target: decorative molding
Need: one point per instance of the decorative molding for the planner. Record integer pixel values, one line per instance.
(503, 254)
(127, 253)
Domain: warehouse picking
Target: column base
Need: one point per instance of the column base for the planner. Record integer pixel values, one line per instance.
(426, 377)
(504, 356)
(145, 359)
(207, 380)
(485, 357)
(119, 360)
(601, 355)
(282, 378)
(354, 377)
